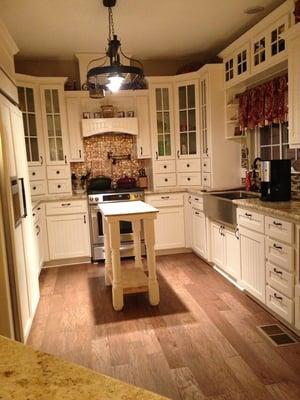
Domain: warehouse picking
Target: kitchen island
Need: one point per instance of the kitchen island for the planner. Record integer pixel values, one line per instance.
(34, 375)
(131, 280)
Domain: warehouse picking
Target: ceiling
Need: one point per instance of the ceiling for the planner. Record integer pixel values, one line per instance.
(149, 29)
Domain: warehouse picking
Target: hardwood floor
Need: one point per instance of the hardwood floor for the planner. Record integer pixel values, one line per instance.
(200, 343)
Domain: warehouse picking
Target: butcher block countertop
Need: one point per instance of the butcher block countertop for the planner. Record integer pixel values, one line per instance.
(289, 210)
(26, 374)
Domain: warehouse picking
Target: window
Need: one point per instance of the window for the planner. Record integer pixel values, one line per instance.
(273, 143)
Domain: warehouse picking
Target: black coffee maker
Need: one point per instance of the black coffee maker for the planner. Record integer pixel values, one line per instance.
(275, 180)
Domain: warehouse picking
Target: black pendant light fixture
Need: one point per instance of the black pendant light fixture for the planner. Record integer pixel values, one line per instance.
(111, 74)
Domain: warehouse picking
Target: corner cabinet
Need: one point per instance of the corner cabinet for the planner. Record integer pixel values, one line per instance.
(54, 124)
(293, 47)
(143, 140)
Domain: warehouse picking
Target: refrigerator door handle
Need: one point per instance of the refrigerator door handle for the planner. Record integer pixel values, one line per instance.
(23, 198)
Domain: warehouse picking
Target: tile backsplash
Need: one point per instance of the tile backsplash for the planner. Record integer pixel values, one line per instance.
(296, 185)
(96, 149)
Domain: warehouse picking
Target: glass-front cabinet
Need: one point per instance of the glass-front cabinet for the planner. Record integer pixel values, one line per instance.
(204, 116)
(28, 95)
(162, 121)
(187, 143)
(54, 124)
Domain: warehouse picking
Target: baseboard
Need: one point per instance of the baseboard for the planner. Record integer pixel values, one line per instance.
(172, 251)
(66, 261)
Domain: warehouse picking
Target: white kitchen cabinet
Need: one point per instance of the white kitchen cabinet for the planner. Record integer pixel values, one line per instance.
(68, 236)
(297, 306)
(218, 253)
(253, 269)
(188, 218)
(74, 116)
(237, 65)
(170, 222)
(199, 232)
(293, 46)
(143, 140)
(54, 123)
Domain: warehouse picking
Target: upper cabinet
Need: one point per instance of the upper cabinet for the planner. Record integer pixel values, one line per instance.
(187, 119)
(143, 140)
(54, 123)
(293, 46)
(161, 101)
(260, 48)
(29, 104)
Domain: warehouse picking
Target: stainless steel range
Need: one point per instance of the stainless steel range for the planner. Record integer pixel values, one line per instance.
(96, 197)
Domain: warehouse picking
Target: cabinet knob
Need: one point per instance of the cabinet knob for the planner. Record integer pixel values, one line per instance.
(188, 165)
(34, 188)
(165, 166)
(59, 186)
(57, 172)
(33, 174)
(188, 178)
(204, 165)
(166, 179)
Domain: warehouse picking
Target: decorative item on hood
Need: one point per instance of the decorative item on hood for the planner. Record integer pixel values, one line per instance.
(114, 76)
(142, 179)
(107, 111)
(79, 183)
(126, 182)
(117, 157)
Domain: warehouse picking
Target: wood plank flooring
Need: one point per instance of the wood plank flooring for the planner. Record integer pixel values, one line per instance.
(201, 342)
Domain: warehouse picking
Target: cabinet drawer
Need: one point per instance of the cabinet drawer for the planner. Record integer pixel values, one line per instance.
(59, 186)
(165, 200)
(280, 304)
(189, 179)
(66, 207)
(188, 166)
(280, 279)
(164, 166)
(278, 229)
(205, 165)
(60, 172)
(206, 179)
(197, 202)
(165, 179)
(37, 173)
(38, 188)
(250, 219)
(280, 254)
(37, 213)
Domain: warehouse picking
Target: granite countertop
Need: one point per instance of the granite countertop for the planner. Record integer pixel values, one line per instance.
(289, 210)
(62, 197)
(33, 375)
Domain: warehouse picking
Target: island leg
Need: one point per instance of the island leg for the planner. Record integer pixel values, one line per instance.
(136, 227)
(151, 261)
(117, 288)
(108, 268)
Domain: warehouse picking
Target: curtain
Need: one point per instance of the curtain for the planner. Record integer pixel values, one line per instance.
(264, 104)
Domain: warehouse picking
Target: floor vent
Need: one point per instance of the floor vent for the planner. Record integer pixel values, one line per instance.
(277, 335)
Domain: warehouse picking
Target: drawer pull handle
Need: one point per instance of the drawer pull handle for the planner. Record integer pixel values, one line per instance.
(277, 297)
(57, 172)
(188, 165)
(277, 247)
(79, 153)
(197, 213)
(165, 197)
(33, 174)
(38, 208)
(38, 230)
(196, 199)
(277, 272)
(156, 155)
(141, 149)
(166, 179)
(178, 154)
(248, 215)
(189, 179)
(277, 223)
(84, 219)
(65, 204)
(66, 162)
(42, 160)
(189, 200)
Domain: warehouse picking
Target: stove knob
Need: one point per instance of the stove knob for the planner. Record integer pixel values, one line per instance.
(136, 196)
(96, 198)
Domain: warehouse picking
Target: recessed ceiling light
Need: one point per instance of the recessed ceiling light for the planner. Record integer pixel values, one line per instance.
(254, 10)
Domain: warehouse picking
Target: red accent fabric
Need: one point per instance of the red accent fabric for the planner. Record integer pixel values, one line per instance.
(264, 104)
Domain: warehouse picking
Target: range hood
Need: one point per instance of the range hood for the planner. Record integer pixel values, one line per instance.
(97, 126)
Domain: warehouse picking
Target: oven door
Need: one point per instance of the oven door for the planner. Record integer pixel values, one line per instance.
(96, 224)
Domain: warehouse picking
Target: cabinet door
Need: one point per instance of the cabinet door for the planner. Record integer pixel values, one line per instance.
(229, 69)
(169, 228)
(233, 258)
(54, 123)
(253, 270)
(276, 41)
(259, 51)
(74, 129)
(30, 107)
(204, 129)
(217, 245)
(162, 121)
(68, 236)
(143, 138)
(188, 216)
(187, 118)
(242, 62)
(199, 232)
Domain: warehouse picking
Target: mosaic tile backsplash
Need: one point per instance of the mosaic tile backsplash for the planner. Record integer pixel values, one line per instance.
(96, 149)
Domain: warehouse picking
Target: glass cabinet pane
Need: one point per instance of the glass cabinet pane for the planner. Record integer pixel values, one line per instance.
(166, 122)
(55, 101)
(163, 122)
(34, 149)
(182, 121)
(187, 118)
(158, 99)
(50, 125)
(29, 99)
(159, 120)
(59, 147)
(32, 125)
(56, 152)
(191, 96)
(21, 95)
(192, 143)
(167, 145)
(48, 101)
(161, 150)
(165, 99)
(52, 149)
(192, 120)
(183, 144)
(182, 97)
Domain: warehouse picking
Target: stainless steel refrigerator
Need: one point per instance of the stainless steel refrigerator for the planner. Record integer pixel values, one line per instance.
(19, 264)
